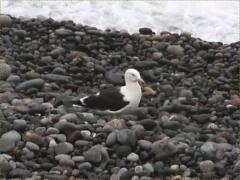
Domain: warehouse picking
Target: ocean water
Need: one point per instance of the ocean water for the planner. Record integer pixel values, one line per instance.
(208, 20)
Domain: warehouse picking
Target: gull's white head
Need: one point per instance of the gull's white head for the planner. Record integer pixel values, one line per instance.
(132, 75)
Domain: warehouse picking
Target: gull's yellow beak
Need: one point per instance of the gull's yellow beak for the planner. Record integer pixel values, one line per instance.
(148, 89)
(142, 82)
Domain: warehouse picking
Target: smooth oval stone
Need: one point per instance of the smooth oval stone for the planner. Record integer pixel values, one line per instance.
(57, 78)
(6, 145)
(5, 20)
(84, 166)
(32, 146)
(63, 32)
(93, 155)
(63, 148)
(12, 135)
(20, 124)
(133, 157)
(17, 172)
(5, 70)
(33, 83)
(175, 50)
(145, 144)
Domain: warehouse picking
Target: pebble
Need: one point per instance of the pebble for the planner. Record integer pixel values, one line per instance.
(133, 157)
(175, 50)
(63, 126)
(5, 69)
(145, 178)
(20, 33)
(206, 166)
(63, 148)
(6, 145)
(52, 143)
(145, 31)
(66, 162)
(93, 155)
(148, 168)
(84, 166)
(20, 125)
(5, 20)
(126, 137)
(55, 177)
(63, 32)
(33, 83)
(11, 136)
(86, 134)
(201, 118)
(17, 172)
(114, 124)
(138, 169)
(81, 143)
(57, 78)
(163, 149)
(32, 146)
(146, 145)
(5, 165)
(35, 138)
(70, 117)
(157, 56)
(148, 124)
(111, 139)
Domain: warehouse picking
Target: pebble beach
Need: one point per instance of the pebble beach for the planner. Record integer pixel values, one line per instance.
(189, 130)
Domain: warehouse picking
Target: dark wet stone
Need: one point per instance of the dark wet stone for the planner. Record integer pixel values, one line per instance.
(57, 78)
(148, 124)
(93, 155)
(122, 150)
(126, 137)
(37, 109)
(145, 30)
(81, 143)
(6, 145)
(64, 126)
(20, 124)
(174, 125)
(145, 64)
(163, 149)
(63, 148)
(201, 118)
(34, 83)
(55, 53)
(17, 172)
(55, 177)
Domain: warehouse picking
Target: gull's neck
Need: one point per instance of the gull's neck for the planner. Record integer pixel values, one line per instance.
(133, 93)
(132, 85)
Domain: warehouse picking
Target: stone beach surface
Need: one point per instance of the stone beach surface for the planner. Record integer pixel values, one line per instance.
(189, 130)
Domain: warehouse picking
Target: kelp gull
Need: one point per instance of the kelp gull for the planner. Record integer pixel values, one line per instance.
(117, 100)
